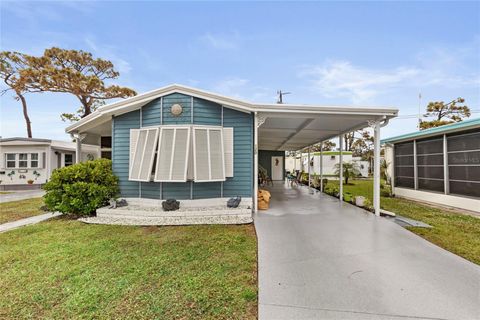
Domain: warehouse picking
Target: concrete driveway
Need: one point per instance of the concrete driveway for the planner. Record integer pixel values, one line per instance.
(321, 259)
(21, 195)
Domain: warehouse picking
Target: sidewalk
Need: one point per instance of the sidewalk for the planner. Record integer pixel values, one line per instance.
(27, 221)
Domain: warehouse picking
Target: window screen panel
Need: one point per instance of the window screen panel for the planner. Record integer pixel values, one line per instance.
(430, 172)
(404, 149)
(164, 155)
(429, 184)
(430, 146)
(404, 182)
(180, 154)
(436, 159)
(217, 165)
(404, 171)
(201, 148)
(464, 158)
(470, 141)
(404, 161)
(470, 173)
(465, 188)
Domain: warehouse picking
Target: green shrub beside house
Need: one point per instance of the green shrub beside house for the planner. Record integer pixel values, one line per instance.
(82, 188)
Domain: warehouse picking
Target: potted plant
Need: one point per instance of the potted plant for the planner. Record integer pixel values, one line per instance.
(30, 181)
(360, 201)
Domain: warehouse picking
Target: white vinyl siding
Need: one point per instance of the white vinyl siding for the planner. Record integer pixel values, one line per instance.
(209, 162)
(173, 154)
(145, 146)
(228, 151)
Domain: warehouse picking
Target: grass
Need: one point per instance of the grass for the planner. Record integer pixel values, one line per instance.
(5, 192)
(16, 210)
(453, 231)
(64, 269)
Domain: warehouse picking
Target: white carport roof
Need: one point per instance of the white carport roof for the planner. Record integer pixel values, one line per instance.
(281, 126)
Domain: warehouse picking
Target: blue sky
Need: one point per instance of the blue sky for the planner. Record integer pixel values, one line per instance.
(342, 53)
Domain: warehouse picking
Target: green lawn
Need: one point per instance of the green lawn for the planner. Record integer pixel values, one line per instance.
(16, 210)
(64, 269)
(4, 192)
(451, 230)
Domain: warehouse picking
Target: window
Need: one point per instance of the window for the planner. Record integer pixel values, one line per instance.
(173, 154)
(23, 160)
(209, 161)
(106, 142)
(11, 160)
(106, 154)
(198, 153)
(142, 160)
(68, 159)
(33, 160)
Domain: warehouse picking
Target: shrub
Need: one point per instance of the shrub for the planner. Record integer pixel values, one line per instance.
(81, 188)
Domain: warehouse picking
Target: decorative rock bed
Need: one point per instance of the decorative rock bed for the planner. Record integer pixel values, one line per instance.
(152, 214)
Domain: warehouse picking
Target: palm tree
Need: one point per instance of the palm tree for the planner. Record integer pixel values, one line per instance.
(350, 170)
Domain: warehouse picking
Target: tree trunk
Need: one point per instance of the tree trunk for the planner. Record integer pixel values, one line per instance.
(25, 114)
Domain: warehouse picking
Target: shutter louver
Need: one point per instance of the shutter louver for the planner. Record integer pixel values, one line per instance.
(133, 144)
(164, 158)
(180, 155)
(228, 151)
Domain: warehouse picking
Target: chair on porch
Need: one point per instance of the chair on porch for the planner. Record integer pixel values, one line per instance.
(294, 179)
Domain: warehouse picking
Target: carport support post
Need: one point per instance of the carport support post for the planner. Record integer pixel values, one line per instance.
(308, 164)
(376, 168)
(341, 167)
(255, 163)
(321, 167)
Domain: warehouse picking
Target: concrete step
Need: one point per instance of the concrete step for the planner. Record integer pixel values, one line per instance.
(153, 213)
(170, 221)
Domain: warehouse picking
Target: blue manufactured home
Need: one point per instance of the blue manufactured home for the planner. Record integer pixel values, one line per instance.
(189, 144)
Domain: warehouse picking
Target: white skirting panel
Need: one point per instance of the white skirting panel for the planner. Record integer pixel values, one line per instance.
(439, 198)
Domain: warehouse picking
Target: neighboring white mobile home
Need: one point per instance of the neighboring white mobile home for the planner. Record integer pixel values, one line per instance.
(328, 163)
(28, 162)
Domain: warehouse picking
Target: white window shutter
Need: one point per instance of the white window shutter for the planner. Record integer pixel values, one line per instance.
(164, 157)
(201, 161)
(133, 144)
(173, 154)
(217, 161)
(148, 155)
(143, 147)
(180, 154)
(228, 151)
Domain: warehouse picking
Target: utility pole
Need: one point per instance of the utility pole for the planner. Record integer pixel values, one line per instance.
(419, 109)
(280, 94)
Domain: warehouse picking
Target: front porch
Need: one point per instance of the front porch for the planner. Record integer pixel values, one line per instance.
(324, 259)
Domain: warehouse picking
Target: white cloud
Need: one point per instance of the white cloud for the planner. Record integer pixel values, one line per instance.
(343, 79)
(435, 68)
(221, 41)
(232, 87)
(109, 53)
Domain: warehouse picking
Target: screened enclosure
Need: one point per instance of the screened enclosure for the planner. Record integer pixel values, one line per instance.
(448, 164)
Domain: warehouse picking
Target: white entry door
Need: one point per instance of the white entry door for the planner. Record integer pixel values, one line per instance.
(277, 168)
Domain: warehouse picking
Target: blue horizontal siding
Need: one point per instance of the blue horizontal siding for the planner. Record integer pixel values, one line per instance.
(242, 182)
(204, 113)
(181, 99)
(121, 151)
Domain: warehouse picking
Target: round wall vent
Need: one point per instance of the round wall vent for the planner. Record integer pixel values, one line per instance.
(176, 110)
